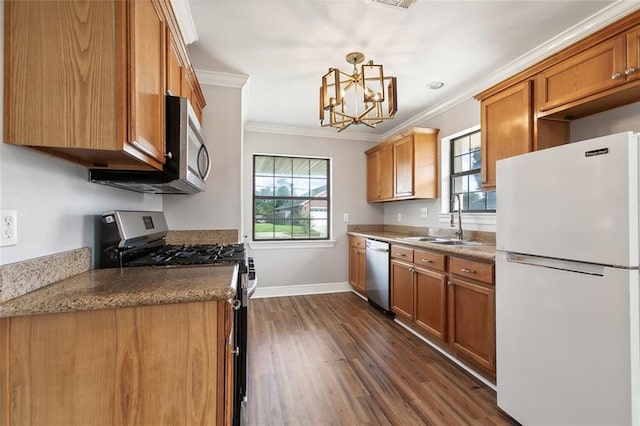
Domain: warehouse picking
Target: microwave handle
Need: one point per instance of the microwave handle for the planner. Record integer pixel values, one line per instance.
(204, 175)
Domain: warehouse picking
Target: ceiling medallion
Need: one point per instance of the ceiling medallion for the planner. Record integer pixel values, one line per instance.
(357, 98)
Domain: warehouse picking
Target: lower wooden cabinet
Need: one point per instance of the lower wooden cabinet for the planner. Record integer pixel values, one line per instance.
(472, 323)
(402, 289)
(357, 264)
(162, 364)
(431, 302)
(472, 312)
(448, 299)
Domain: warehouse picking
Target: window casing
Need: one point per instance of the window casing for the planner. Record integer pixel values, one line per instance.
(291, 198)
(466, 175)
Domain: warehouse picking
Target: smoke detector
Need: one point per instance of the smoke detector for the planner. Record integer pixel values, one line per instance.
(400, 4)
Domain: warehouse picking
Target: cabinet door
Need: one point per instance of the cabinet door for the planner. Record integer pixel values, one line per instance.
(373, 190)
(403, 151)
(592, 71)
(506, 128)
(194, 93)
(175, 67)
(69, 91)
(226, 309)
(633, 54)
(431, 302)
(380, 175)
(402, 290)
(353, 267)
(472, 325)
(147, 365)
(147, 80)
(385, 172)
(357, 264)
(362, 271)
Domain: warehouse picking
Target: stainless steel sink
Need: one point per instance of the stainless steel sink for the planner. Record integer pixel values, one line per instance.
(422, 239)
(457, 243)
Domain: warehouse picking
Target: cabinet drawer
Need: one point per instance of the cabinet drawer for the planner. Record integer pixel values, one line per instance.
(430, 259)
(357, 242)
(402, 253)
(471, 269)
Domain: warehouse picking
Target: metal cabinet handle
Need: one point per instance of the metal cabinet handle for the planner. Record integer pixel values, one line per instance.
(468, 271)
(236, 351)
(629, 70)
(615, 76)
(427, 260)
(401, 254)
(450, 284)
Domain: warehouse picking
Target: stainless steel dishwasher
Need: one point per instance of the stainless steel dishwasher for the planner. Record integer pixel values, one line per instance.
(377, 274)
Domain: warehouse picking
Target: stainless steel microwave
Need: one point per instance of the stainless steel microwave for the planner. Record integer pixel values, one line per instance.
(187, 165)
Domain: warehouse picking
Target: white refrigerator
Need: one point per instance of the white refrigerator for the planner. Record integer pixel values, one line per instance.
(567, 283)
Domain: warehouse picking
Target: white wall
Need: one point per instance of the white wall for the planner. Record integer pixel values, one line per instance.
(616, 120)
(55, 202)
(219, 207)
(454, 120)
(287, 267)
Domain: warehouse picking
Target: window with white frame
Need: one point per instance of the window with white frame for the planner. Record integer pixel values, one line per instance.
(290, 198)
(465, 157)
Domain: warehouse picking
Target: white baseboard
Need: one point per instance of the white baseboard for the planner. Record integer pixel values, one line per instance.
(300, 290)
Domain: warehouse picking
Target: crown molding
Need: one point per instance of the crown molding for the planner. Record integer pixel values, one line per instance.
(310, 132)
(185, 20)
(225, 79)
(566, 38)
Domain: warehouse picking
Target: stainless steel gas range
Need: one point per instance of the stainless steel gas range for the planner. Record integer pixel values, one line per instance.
(138, 239)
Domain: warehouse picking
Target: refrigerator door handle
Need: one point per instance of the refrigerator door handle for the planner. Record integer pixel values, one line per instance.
(564, 265)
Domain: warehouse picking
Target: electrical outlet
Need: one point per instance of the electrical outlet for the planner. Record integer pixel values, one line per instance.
(9, 236)
(399, 217)
(345, 217)
(424, 212)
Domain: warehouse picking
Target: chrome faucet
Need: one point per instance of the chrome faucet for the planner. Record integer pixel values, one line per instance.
(451, 223)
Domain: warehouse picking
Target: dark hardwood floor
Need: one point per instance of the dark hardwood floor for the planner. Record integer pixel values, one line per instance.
(334, 360)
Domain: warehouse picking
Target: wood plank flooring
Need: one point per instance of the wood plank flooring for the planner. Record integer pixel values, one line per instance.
(334, 360)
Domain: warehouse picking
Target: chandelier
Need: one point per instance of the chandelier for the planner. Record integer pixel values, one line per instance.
(357, 98)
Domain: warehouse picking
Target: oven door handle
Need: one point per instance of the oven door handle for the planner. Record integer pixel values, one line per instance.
(252, 289)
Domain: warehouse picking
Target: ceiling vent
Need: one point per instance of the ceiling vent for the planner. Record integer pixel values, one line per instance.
(400, 4)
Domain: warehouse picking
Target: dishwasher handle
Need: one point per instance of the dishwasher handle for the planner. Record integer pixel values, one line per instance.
(378, 249)
(383, 249)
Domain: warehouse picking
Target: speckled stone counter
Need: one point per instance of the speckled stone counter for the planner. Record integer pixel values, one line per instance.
(115, 288)
(20, 278)
(487, 251)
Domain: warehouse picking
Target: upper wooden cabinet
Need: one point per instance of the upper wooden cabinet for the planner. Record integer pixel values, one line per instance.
(603, 76)
(532, 109)
(380, 174)
(146, 51)
(404, 167)
(591, 71)
(506, 128)
(94, 95)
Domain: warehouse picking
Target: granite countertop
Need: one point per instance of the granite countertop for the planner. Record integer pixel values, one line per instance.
(115, 288)
(487, 251)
